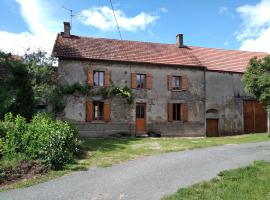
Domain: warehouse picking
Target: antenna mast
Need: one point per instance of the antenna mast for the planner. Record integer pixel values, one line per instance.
(71, 14)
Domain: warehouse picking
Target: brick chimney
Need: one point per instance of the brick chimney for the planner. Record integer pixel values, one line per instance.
(180, 40)
(67, 28)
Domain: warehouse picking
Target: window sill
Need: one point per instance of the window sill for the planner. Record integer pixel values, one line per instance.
(98, 122)
(177, 90)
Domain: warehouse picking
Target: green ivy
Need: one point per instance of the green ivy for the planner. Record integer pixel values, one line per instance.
(106, 92)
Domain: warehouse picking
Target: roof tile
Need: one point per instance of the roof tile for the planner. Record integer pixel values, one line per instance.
(145, 52)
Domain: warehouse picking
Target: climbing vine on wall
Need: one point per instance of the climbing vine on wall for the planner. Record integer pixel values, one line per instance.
(105, 92)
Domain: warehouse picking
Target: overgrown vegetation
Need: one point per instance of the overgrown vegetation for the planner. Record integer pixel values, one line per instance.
(52, 142)
(16, 94)
(106, 92)
(32, 148)
(257, 79)
(247, 183)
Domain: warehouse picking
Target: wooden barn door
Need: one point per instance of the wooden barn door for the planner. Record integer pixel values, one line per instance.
(255, 117)
(212, 128)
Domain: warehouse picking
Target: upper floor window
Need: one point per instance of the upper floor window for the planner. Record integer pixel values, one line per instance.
(98, 78)
(140, 81)
(176, 82)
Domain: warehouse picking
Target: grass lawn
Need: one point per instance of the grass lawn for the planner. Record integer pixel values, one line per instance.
(105, 152)
(248, 183)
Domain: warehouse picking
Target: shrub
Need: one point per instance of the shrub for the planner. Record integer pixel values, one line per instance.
(52, 142)
(15, 128)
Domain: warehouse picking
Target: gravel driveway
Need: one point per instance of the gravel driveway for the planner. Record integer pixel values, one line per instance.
(145, 178)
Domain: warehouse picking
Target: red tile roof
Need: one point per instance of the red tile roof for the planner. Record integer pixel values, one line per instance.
(76, 47)
(225, 60)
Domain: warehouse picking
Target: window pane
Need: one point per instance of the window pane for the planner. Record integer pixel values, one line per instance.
(101, 78)
(138, 80)
(98, 110)
(95, 78)
(101, 110)
(176, 81)
(142, 81)
(138, 111)
(142, 111)
(176, 111)
(95, 110)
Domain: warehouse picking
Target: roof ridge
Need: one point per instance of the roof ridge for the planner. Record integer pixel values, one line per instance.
(236, 50)
(158, 43)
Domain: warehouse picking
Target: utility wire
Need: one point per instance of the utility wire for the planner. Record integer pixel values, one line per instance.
(116, 20)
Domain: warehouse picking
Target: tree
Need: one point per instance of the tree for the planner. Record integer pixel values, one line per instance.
(43, 75)
(257, 81)
(16, 94)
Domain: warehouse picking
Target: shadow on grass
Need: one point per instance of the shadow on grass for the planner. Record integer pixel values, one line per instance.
(106, 144)
(99, 144)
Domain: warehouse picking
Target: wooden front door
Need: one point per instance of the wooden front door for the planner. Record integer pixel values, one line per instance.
(212, 128)
(255, 117)
(140, 118)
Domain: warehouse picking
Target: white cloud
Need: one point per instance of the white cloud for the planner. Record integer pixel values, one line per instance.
(255, 32)
(42, 30)
(164, 10)
(222, 10)
(103, 19)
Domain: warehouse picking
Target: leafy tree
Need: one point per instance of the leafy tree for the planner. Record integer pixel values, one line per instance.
(257, 80)
(16, 94)
(43, 75)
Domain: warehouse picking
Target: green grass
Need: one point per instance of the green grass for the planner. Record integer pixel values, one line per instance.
(105, 152)
(248, 183)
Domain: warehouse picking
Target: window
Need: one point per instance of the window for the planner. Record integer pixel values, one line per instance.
(176, 82)
(140, 110)
(98, 108)
(140, 81)
(98, 78)
(176, 111)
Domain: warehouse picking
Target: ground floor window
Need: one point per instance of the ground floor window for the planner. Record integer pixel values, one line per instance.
(98, 108)
(176, 111)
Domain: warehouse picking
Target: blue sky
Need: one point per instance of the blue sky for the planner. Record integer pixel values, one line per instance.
(227, 24)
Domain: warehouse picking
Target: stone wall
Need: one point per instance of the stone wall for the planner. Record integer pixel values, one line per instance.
(225, 94)
(156, 99)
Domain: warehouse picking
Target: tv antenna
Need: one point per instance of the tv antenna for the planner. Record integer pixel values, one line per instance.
(71, 14)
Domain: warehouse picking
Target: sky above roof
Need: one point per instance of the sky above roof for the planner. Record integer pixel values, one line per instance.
(227, 24)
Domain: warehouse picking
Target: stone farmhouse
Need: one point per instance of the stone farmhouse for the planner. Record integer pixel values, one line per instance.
(179, 90)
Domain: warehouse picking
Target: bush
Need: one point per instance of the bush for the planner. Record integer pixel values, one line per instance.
(52, 142)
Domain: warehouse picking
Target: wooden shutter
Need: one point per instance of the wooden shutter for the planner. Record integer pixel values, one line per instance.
(184, 82)
(89, 111)
(149, 81)
(107, 80)
(169, 82)
(107, 111)
(133, 80)
(184, 114)
(90, 78)
(170, 112)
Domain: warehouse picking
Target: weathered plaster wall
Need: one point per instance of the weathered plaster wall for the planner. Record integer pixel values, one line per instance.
(225, 93)
(122, 115)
